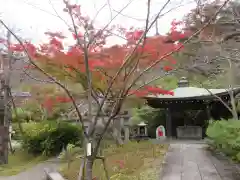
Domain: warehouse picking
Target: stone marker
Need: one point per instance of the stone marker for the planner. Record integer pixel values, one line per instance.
(160, 133)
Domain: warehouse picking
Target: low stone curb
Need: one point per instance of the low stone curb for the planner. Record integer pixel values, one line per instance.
(164, 163)
(220, 155)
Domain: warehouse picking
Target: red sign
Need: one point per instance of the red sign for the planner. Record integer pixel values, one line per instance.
(160, 133)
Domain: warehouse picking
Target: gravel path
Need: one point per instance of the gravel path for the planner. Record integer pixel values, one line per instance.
(36, 172)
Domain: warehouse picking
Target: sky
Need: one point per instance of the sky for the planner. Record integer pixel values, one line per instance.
(31, 18)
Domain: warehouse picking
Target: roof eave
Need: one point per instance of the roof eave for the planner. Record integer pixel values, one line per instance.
(203, 97)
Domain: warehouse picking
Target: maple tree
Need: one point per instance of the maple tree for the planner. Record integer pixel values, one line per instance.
(46, 102)
(104, 62)
(108, 75)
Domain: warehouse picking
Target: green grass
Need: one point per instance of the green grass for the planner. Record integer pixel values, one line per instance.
(19, 162)
(140, 161)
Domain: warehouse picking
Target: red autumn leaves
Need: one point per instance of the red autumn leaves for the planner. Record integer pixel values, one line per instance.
(120, 163)
(146, 90)
(133, 36)
(26, 46)
(109, 59)
(49, 102)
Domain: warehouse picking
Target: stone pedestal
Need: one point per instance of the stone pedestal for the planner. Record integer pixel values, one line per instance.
(189, 132)
(126, 133)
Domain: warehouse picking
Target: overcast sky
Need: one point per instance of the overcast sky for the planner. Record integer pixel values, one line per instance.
(31, 18)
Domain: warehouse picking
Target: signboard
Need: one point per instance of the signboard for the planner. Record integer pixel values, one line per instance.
(4, 135)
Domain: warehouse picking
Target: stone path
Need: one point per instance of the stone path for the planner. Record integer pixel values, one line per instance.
(35, 173)
(194, 162)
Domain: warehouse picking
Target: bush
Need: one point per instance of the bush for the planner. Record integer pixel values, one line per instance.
(225, 137)
(50, 137)
(22, 115)
(17, 134)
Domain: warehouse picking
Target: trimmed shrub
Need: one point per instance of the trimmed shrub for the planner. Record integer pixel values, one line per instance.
(50, 137)
(225, 137)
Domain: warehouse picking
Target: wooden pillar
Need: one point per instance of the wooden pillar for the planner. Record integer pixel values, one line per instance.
(168, 123)
(208, 111)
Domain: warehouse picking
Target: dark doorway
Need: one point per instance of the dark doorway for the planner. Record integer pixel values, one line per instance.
(189, 118)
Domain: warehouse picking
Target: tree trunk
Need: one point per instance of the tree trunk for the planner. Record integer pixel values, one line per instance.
(89, 168)
(234, 108)
(231, 93)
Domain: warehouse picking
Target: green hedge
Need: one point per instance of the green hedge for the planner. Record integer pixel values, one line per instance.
(50, 137)
(225, 136)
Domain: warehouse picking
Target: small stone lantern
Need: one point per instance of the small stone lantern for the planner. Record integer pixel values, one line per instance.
(142, 129)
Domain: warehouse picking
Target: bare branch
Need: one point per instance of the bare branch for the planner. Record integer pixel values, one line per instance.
(177, 49)
(106, 26)
(65, 22)
(219, 98)
(98, 13)
(110, 8)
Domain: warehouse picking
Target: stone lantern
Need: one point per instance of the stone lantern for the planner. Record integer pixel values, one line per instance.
(125, 118)
(142, 129)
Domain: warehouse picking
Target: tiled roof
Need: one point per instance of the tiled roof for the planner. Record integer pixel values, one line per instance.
(188, 92)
